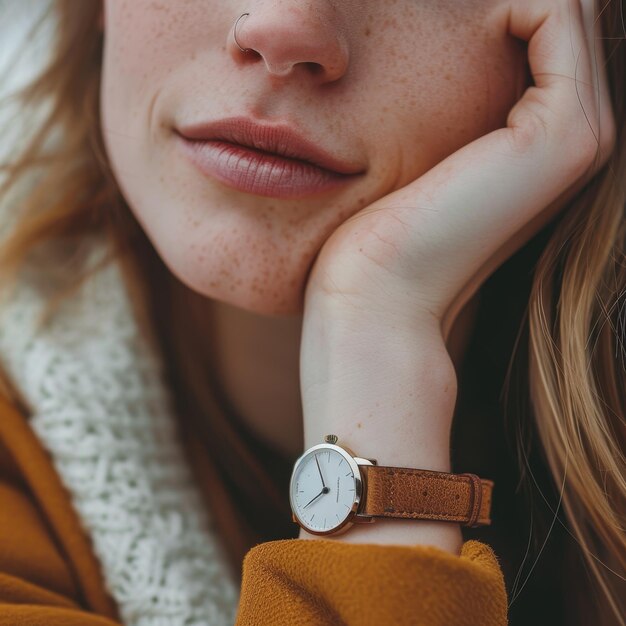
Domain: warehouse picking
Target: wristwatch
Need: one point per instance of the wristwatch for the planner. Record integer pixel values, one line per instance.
(331, 489)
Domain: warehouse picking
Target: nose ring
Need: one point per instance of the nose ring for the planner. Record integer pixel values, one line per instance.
(235, 33)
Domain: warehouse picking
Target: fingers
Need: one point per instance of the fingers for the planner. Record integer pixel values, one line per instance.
(464, 213)
(565, 47)
(561, 109)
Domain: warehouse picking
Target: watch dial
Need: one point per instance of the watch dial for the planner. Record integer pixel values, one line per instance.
(323, 489)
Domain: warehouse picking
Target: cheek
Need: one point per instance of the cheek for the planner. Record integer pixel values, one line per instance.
(259, 262)
(146, 44)
(415, 94)
(132, 66)
(148, 38)
(451, 76)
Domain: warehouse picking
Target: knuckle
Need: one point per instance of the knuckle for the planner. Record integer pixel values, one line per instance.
(576, 142)
(528, 130)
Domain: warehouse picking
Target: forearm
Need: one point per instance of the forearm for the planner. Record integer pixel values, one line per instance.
(388, 392)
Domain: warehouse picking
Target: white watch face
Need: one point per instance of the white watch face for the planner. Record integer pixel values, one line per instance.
(323, 488)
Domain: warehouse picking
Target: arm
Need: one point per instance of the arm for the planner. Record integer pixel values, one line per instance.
(427, 248)
(356, 381)
(388, 391)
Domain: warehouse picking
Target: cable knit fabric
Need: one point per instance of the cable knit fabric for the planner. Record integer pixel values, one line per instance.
(98, 403)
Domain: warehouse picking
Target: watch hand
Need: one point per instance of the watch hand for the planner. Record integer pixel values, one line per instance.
(316, 497)
(320, 471)
(324, 490)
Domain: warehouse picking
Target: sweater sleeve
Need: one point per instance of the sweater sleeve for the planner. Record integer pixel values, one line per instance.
(322, 582)
(35, 584)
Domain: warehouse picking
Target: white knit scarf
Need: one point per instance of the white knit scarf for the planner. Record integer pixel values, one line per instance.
(99, 405)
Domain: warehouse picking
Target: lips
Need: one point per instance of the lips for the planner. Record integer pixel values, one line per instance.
(279, 140)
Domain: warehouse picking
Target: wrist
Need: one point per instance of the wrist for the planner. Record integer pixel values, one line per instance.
(444, 535)
(388, 391)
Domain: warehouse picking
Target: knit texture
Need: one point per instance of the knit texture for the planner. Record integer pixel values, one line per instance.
(323, 582)
(98, 403)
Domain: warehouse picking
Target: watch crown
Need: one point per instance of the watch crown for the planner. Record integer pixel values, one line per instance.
(331, 439)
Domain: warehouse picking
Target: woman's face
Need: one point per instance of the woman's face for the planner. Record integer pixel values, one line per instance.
(391, 87)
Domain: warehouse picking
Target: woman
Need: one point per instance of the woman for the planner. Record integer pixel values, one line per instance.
(211, 306)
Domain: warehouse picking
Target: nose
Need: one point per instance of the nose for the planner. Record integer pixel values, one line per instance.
(287, 36)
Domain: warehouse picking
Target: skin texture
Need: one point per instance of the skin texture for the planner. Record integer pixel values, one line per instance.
(399, 86)
(395, 87)
(269, 398)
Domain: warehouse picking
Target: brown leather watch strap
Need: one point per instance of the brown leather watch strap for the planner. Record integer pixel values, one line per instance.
(426, 494)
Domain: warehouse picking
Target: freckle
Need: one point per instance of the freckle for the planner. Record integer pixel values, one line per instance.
(212, 284)
(368, 32)
(359, 425)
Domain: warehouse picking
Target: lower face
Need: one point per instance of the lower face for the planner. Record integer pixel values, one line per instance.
(393, 87)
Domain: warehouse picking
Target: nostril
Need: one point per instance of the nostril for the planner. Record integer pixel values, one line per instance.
(286, 42)
(251, 54)
(315, 68)
(285, 69)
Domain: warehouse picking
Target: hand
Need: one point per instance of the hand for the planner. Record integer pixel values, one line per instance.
(388, 284)
(325, 489)
(316, 497)
(430, 245)
(319, 469)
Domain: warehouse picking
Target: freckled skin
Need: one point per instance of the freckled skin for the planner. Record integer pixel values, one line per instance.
(402, 84)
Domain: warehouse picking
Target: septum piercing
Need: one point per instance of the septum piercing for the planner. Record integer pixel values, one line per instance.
(235, 33)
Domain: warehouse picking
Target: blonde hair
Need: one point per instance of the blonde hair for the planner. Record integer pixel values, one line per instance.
(576, 309)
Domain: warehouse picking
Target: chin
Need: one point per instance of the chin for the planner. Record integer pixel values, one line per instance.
(288, 305)
(253, 292)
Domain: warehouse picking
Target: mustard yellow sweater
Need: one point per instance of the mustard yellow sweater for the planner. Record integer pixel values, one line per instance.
(49, 574)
